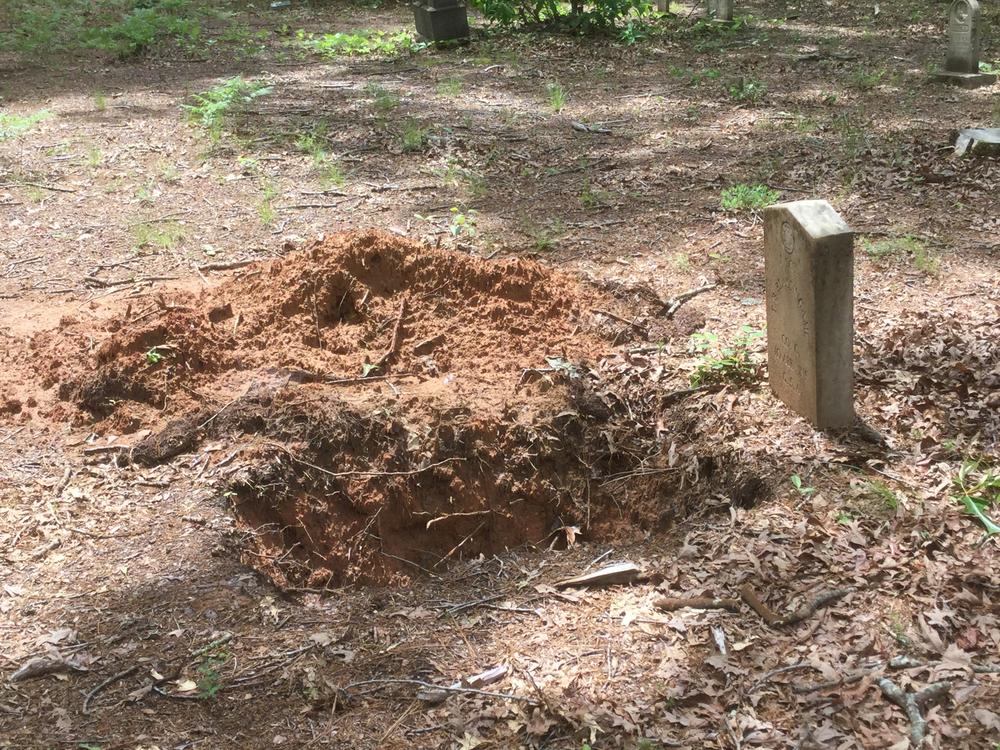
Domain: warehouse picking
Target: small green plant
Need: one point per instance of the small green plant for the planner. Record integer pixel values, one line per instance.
(450, 87)
(883, 493)
(153, 356)
(100, 102)
(11, 125)
(800, 487)
(265, 209)
(844, 517)
(719, 364)
(145, 25)
(462, 222)
(164, 235)
(545, 236)
(925, 260)
(94, 157)
(364, 42)
(865, 79)
(209, 680)
(880, 251)
(211, 107)
(978, 489)
(383, 100)
(748, 91)
(557, 96)
(741, 197)
(415, 136)
(591, 197)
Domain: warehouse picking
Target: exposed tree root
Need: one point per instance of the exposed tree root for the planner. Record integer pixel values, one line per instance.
(803, 613)
(671, 603)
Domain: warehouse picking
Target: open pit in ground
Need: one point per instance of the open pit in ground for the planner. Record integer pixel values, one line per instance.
(384, 408)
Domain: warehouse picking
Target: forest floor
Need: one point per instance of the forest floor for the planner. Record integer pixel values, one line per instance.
(309, 402)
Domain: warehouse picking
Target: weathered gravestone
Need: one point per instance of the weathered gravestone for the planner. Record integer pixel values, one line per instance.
(809, 269)
(721, 10)
(441, 20)
(965, 21)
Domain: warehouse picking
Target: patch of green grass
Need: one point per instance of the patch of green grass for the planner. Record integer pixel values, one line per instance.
(924, 259)
(100, 102)
(741, 197)
(844, 517)
(681, 260)
(734, 363)
(458, 176)
(163, 234)
(362, 42)
(591, 197)
(450, 87)
(883, 493)
(94, 157)
(748, 91)
(11, 125)
(866, 79)
(545, 236)
(145, 25)
(211, 107)
(415, 136)
(383, 100)
(265, 209)
(557, 96)
(977, 487)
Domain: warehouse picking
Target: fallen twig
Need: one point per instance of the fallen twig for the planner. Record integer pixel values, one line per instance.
(445, 688)
(120, 676)
(641, 329)
(672, 603)
(914, 704)
(806, 611)
(673, 396)
(673, 304)
(227, 265)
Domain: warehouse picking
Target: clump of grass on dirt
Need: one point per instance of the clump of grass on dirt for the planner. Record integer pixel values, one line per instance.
(557, 96)
(265, 209)
(866, 79)
(363, 42)
(12, 125)
(415, 136)
(741, 197)
(923, 258)
(384, 101)
(719, 363)
(748, 91)
(164, 235)
(592, 197)
(211, 107)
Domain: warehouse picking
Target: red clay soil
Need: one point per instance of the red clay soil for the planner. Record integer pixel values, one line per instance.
(393, 406)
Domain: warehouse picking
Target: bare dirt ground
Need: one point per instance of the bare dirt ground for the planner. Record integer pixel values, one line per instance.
(283, 442)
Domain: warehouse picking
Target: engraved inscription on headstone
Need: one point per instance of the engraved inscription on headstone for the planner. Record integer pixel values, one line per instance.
(964, 30)
(809, 269)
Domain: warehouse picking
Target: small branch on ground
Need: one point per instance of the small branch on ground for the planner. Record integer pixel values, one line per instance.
(113, 678)
(914, 705)
(673, 304)
(803, 613)
(671, 603)
(397, 339)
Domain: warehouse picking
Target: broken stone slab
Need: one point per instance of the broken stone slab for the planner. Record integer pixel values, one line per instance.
(611, 575)
(809, 270)
(972, 137)
(965, 21)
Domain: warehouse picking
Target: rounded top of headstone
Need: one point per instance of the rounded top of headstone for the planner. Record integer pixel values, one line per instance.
(961, 10)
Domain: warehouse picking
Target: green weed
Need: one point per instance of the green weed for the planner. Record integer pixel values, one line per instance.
(383, 100)
(209, 674)
(978, 489)
(415, 137)
(265, 209)
(100, 102)
(557, 97)
(734, 364)
(800, 487)
(450, 87)
(11, 125)
(462, 222)
(883, 493)
(211, 107)
(881, 251)
(545, 236)
(865, 79)
(591, 197)
(741, 197)
(748, 91)
(364, 42)
(164, 235)
(94, 157)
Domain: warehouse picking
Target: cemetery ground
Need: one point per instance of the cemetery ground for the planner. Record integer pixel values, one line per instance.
(326, 358)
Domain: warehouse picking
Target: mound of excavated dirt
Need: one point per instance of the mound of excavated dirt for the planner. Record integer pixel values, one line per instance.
(392, 406)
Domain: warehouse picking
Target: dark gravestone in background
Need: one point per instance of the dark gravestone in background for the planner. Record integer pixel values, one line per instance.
(441, 20)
